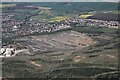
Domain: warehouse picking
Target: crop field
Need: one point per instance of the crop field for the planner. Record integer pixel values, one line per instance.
(7, 5)
(50, 16)
(105, 16)
(84, 16)
(58, 19)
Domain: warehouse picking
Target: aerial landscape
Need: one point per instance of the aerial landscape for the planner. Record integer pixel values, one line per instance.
(60, 40)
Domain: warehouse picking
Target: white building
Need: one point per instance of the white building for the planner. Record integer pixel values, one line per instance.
(7, 52)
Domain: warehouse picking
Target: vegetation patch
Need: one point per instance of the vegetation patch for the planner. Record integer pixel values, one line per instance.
(76, 72)
(45, 12)
(93, 51)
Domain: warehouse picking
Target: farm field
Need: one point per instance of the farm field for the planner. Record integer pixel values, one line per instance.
(58, 18)
(85, 16)
(7, 5)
